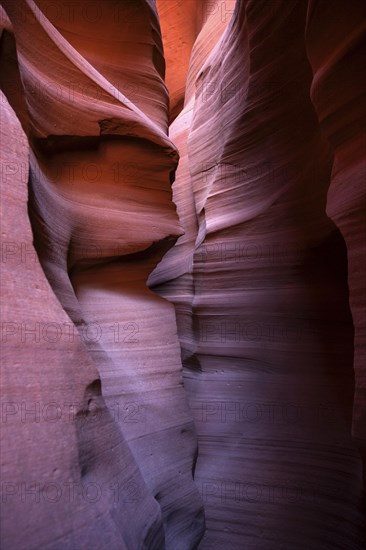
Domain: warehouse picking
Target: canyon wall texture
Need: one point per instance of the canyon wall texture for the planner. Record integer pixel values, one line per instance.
(183, 274)
(260, 282)
(338, 95)
(101, 167)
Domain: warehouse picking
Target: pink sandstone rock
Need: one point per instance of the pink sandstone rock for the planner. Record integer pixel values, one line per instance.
(251, 381)
(262, 311)
(104, 158)
(68, 476)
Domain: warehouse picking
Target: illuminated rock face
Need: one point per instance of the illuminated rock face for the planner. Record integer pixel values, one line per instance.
(100, 172)
(259, 279)
(102, 429)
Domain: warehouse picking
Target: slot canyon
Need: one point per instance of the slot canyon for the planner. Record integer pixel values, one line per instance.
(183, 267)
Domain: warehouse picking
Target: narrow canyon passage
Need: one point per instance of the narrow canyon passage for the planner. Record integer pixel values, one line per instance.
(183, 261)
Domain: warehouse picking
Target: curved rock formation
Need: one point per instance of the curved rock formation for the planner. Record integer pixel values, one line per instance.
(216, 164)
(67, 471)
(187, 24)
(339, 96)
(97, 155)
(259, 284)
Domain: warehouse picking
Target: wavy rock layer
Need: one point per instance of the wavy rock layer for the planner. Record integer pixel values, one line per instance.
(259, 281)
(101, 166)
(261, 256)
(67, 471)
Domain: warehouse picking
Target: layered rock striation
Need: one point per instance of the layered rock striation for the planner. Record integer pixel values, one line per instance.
(259, 279)
(183, 208)
(101, 166)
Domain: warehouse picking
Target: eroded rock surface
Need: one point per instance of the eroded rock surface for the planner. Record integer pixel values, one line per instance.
(259, 281)
(339, 96)
(114, 398)
(101, 166)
